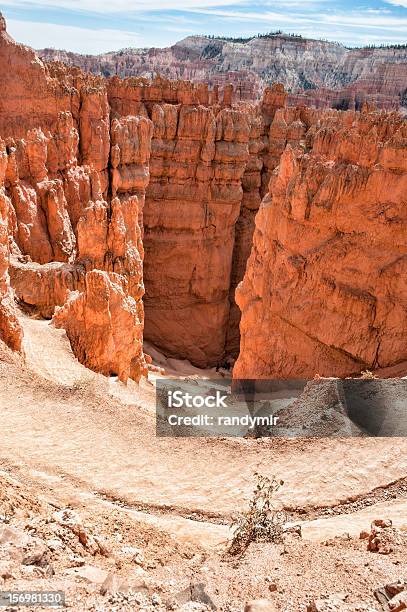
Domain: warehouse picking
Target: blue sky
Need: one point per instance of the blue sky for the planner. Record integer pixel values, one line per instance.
(95, 26)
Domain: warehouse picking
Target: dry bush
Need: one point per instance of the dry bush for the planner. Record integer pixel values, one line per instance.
(262, 522)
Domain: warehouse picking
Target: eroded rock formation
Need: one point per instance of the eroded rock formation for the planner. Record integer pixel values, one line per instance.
(193, 201)
(74, 186)
(207, 179)
(315, 72)
(105, 326)
(95, 172)
(324, 290)
(10, 330)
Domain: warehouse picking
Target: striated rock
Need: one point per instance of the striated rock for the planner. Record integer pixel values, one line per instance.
(198, 157)
(274, 97)
(316, 73)
(105, 326)
(42, 287)
(10, 330)
(94, 137)
(31, 97)
(272, 127)
(96, 171)
(74, 186)
(130, 154)
(209, 169)
(197, 166)
(323, 291)
(252, 181)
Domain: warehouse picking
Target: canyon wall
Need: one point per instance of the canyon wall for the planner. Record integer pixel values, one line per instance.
(199, 154)
(73, 190)
(324, 291)
(10, 330)
(316, 73)
(98, 174)
(77, 168)
(210, 165)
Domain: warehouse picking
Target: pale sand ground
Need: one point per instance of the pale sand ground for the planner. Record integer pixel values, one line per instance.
(322, 529)
(65, 420)
(70, 437)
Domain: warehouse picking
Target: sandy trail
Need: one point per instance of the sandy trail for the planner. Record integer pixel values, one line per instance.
(323, 529)
(48, 350)
(60, 418)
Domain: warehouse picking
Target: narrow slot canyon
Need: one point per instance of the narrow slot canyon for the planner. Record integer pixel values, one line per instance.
(129, 209)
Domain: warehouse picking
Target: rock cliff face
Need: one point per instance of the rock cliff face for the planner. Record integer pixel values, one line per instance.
(193, 201)
(10, 330)
(209, 168)
(200, 149)
(105, 326)
(324, 290)
(77, 171)
(315, 72)
(98, 174)
(74, 184)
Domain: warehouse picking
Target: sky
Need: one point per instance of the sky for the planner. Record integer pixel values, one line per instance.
(97, 26)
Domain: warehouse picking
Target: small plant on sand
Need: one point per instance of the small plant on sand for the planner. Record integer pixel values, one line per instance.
(262, 522)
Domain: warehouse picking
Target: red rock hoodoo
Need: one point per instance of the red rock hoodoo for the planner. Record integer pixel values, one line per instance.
(10, 330)
(209, 169)
(74, 185)
(105, 326)
(97, 175)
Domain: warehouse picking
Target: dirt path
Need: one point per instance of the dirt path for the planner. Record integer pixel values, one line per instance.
(325, 528)
(49, 355)
(62, 420)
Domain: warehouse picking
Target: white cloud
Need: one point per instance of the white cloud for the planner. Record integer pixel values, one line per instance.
(354, 28)
(358, 20)
(383, 11)
(358, 27)
(80, 40)
(290, 4)
(363, 20)
(116, 6)
(268, 17)
(397, 2)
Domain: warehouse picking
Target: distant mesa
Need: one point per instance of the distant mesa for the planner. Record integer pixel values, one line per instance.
(337, 77)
